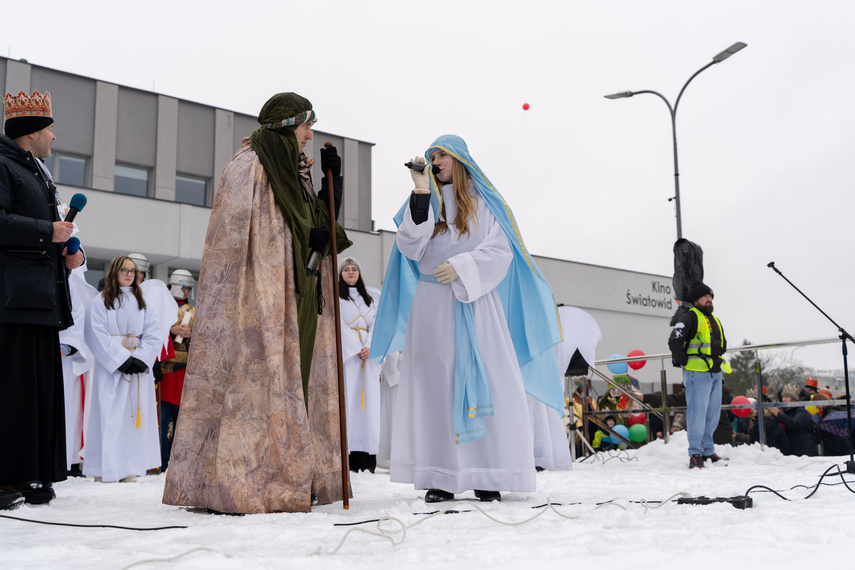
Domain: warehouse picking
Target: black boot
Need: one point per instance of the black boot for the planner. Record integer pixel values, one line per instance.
(358, 461)
(438, 496)
(488, 496)
(34, 492)
(10, 499)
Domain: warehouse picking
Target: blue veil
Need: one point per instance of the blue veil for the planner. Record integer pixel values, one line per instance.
(526, 296)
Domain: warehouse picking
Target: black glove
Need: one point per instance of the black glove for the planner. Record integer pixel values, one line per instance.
(138, 366)
(330, 160)
(157, 371)
(133, 366)
(319, 238)
(338, 190)
(125, 368)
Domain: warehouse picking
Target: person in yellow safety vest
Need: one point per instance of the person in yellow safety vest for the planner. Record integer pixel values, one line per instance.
(697, 344)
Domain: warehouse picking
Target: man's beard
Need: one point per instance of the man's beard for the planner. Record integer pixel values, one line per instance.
(706, 309)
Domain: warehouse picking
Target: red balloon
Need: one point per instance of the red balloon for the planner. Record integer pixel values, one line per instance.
(525, 106)
(638, 418)
(638, 364)
(741, 401)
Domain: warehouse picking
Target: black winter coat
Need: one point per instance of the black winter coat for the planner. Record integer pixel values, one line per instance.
(798, 425)
(832, 444)
(776, 436)
(33, 284)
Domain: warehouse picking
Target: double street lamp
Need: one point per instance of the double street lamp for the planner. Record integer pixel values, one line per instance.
(673, 110)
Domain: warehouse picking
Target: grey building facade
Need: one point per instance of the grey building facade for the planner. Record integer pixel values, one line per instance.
(150, 165)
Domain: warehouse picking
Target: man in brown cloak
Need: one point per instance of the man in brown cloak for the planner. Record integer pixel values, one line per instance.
(259, 424)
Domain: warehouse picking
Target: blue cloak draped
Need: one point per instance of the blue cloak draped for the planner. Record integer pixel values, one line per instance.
(526, 296)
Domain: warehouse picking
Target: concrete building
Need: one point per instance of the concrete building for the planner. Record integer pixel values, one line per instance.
(149, 165)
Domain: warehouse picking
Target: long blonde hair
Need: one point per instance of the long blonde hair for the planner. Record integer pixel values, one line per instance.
(466, 206)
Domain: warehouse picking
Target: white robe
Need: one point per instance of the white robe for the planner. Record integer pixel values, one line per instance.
(115, 448)
(551, 445)
(160, 301)
(424, 451)
(390, 373)
(74, 366)
(357, 324)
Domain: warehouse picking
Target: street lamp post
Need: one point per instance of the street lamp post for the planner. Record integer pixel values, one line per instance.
(673, 110)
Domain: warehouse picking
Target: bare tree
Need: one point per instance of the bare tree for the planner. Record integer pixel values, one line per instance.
(777, 368)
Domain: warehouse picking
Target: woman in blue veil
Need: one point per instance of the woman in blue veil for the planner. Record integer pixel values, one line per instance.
(476, 321)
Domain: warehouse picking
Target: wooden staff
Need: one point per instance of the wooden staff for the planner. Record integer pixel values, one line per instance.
(345, 471)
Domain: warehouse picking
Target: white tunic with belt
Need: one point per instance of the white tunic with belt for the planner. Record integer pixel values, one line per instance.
(424, 448)
(75, 366)
(361, 378)
(116, 447)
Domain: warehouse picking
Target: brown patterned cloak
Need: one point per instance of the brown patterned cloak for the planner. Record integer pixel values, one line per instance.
(243, 442)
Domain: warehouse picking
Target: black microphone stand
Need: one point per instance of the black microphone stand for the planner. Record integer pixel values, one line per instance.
(844, 336)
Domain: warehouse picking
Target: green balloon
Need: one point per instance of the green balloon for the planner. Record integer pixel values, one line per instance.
(638, 433)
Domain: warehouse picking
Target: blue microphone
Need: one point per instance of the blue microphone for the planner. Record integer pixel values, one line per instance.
(78, 202)
(72, 245)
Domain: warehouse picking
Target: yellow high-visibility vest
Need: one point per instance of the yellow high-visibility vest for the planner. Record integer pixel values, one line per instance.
(700, 347)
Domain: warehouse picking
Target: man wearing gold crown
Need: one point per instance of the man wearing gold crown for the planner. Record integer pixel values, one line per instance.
(34, 305)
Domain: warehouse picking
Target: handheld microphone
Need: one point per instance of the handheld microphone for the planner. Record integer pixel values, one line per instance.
(72, 245)
(313, 261)
(78, 202)
(419, 167)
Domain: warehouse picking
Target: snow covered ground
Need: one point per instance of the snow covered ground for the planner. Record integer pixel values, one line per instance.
(633, 531)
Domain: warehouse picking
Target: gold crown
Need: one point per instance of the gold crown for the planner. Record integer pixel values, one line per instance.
(23, 105)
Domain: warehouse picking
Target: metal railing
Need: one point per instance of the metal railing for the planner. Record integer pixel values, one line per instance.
(664, 411)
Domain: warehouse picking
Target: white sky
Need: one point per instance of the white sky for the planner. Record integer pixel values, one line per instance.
(763, 137)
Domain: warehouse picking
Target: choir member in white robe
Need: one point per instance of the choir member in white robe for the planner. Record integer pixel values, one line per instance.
(125, 340)
(358, 308)
(390, 373)
(76, 362)
(458, 267)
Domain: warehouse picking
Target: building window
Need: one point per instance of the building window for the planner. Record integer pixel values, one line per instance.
(190, 190)
(131, 180)
(66, 169)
